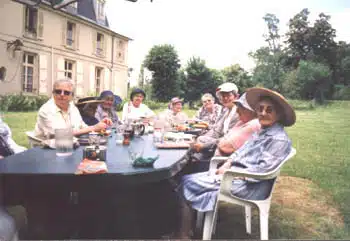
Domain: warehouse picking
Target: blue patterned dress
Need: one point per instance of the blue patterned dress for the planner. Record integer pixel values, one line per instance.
(263, 152)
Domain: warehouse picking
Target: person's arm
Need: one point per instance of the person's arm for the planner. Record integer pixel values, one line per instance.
(13, 145)
(274, 153)
(125, 112)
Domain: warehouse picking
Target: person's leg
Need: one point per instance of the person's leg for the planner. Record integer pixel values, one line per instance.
(8, 227)
(196, 192)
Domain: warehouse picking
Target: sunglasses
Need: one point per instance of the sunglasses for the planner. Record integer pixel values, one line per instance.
(267, 108)
(65, 92)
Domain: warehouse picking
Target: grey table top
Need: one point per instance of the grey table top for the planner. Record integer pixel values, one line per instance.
(38, 161)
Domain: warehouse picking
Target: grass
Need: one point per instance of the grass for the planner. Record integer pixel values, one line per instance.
(312, 205)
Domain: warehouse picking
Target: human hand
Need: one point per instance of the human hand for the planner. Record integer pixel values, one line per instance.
(1, 157)
(107, 121)
(224, 167)
(197, 147)
(100, 126)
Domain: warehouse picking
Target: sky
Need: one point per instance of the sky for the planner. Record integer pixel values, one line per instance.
(222, 32)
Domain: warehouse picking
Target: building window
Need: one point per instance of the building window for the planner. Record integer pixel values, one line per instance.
(100, 9)
(69, 69)
(99, 46)
(70, 34)
(28, 72)
(31, 20)
(120, 50)
(74, 5)
(98, 79)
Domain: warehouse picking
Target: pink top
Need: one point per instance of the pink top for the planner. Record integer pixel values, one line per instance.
(240, 133)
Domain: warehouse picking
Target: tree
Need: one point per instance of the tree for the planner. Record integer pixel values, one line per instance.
(163, 61)
(269, 60)
(309, 81)
(298, 36)
(199, 80)
(236, 74)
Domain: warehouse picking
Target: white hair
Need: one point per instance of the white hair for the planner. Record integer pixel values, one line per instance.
(207, 96)
(63, 81)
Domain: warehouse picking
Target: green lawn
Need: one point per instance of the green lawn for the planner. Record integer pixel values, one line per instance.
(322, 139)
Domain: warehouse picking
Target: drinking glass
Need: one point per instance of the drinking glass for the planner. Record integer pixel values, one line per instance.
(136, 149)
(64, 142)
(119, 134)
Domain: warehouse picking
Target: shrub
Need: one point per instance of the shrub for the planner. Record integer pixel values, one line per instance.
(21, 102)
(342, 93)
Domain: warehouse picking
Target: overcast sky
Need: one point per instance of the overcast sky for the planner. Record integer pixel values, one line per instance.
(222, 32)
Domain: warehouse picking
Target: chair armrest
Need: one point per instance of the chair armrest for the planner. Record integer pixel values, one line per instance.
(216, 160)
(231, 174)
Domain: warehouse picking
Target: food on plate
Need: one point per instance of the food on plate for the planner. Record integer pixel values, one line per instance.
(201, 126)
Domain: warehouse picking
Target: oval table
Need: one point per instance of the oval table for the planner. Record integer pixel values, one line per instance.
(38, 174)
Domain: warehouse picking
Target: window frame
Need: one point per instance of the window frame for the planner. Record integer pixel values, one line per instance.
(24, 77)
(98, 79)
(69, 71)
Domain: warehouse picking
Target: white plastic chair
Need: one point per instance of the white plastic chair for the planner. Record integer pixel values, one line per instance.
(226, 196)
(32, 139)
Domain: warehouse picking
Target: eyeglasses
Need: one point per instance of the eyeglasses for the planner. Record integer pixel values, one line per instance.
(267, 108)
(65, 92)
(206, 101)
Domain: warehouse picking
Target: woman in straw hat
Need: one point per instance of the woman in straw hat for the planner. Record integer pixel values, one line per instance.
(87, 107)
(263, 151)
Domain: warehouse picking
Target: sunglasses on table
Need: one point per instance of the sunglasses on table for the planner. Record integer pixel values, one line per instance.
(59, 92)
(268, 109)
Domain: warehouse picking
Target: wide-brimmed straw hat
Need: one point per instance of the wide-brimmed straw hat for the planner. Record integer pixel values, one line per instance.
(88, 100)
(255, 94)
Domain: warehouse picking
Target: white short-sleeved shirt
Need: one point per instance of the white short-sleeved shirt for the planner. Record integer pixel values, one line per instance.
(51, 117)
(132, 112)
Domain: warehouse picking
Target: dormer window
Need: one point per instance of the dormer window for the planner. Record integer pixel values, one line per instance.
(101, 9)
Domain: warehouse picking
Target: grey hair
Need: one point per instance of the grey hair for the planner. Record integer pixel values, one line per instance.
(208, 96)
(63, 81)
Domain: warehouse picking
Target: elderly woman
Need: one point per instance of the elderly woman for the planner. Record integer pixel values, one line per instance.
(106, 108)
(264, 151)
(135, 109)
(7, 145)
(174, 115)
(87, 107)
(210, 111)
(246, 126)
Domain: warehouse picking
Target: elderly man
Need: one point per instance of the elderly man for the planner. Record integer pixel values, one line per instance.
(206, 144)
(60, 112)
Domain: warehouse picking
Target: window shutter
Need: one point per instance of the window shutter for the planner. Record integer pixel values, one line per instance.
(92, 79)
(40, 25)
(80, 79)
(43, 74)
(64, 32)
(106, 81)
(104, 45)
(77, 35)
(94, 42)
(60, 68)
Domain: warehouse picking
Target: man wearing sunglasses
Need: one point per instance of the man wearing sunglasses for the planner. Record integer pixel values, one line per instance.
(60, 112)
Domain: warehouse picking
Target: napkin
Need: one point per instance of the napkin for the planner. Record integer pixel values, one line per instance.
(91, 167)
(144, 162)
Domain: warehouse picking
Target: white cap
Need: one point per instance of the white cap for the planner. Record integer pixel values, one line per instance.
(227, 87)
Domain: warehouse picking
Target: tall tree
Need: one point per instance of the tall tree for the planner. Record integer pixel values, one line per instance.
(298, 36)
(199, 80)
(164, 63)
